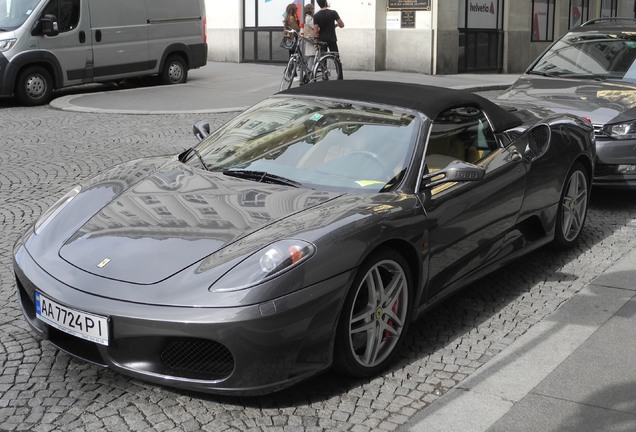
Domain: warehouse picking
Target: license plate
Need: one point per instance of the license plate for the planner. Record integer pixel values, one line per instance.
(72, 321)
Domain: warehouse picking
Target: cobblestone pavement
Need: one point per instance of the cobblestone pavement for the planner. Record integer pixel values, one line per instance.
(44, 152)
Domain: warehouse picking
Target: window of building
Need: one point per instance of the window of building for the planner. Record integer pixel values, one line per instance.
(609, 8)
(542, 20)
(579, 12)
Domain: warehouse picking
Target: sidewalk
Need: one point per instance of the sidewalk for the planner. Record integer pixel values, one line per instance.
(573, 371)
(221, 87)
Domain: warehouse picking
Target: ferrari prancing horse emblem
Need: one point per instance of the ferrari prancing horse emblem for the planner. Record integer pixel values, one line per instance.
(103, 263)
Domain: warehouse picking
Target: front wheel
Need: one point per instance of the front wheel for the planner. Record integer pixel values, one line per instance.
(328, 68)
(572, 209)
(288, 76)
(175, 71)
(375, 315)
(34, 86)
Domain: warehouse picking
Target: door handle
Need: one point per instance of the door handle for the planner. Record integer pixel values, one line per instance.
(98, 35)
(82, 36)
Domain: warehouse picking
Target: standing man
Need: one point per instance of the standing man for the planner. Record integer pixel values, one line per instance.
(325, 21)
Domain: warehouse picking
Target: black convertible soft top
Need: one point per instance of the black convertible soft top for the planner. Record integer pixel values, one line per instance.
(429, 100)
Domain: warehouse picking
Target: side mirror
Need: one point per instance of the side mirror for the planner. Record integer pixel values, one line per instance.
(201, 129)
(49, 25)
(456, 171)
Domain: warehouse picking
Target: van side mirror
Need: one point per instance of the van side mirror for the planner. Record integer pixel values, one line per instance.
(456, 171)
(49, 26)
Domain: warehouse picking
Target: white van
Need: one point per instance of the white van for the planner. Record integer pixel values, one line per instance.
(50, 44)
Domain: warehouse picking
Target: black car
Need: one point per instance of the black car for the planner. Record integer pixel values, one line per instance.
(591, 72)
(307, 232)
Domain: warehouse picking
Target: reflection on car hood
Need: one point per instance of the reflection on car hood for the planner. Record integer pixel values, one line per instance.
(600, 101)
(174, 218)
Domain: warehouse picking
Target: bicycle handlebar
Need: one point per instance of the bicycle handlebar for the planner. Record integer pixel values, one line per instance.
(307, 39)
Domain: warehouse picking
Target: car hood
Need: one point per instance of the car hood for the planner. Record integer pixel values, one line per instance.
(600, 101)
(176, 217)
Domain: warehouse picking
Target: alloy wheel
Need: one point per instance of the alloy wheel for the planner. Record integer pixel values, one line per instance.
(574, 206)
(378, 314)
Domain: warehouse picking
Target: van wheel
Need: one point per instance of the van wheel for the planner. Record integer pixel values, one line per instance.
(34, 86)
(175, 71)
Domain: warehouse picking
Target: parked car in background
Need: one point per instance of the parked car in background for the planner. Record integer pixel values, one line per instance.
(50, 44)
(308, 231)
(591, 72)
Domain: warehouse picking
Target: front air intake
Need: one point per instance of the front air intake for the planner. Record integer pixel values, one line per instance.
(196, 359)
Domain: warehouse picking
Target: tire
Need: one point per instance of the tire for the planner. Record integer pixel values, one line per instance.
(175, 71)
(375, 315)
(34, 86)
(288, 76)
(572, 209)
(328, 68)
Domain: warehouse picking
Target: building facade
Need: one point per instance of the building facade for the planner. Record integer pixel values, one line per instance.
(425, 36)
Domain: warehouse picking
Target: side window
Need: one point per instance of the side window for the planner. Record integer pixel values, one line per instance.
(67, 13)
(463, 134)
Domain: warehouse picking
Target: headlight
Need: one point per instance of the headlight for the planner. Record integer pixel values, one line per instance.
(620, 131)
(626, 169)
(48, 215)
(264, 265)
(6, 45)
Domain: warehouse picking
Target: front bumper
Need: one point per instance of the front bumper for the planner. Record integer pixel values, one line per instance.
(7, 77)
(615, 164)
(246, 350)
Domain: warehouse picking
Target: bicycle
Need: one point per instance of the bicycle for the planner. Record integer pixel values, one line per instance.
(326, 64)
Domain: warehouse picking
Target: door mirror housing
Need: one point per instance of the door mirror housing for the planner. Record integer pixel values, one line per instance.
(456, 171)
(201, 129)
(49, 26)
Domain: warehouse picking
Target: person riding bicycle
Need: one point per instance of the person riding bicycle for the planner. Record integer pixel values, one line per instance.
(325, 21)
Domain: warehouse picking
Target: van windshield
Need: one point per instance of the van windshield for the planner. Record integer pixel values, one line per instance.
(13, 13)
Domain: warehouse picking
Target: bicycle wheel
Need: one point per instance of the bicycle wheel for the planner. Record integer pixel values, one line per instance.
(327, 68)
(288, 75)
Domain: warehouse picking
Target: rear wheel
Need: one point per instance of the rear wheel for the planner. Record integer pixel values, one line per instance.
(175, 71)
(328, 68)
(572, 209)
(375, 315)
(34, 86)
(288, 75)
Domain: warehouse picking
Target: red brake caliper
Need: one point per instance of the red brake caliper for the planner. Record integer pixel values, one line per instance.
(391, 323)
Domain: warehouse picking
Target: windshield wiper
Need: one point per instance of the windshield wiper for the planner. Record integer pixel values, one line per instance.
(545, 74)
(261, 176)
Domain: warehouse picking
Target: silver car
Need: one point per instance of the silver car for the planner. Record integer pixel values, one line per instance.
(591, 72)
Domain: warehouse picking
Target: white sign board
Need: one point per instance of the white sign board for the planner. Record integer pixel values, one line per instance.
(478, 14)
(393, 20)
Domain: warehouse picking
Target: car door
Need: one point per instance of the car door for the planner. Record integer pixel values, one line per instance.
(468, 221)
(120, 38)
(72, 46)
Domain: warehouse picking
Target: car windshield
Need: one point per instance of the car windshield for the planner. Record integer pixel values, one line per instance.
(320, 144)
(13, 13)
(595, 55)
